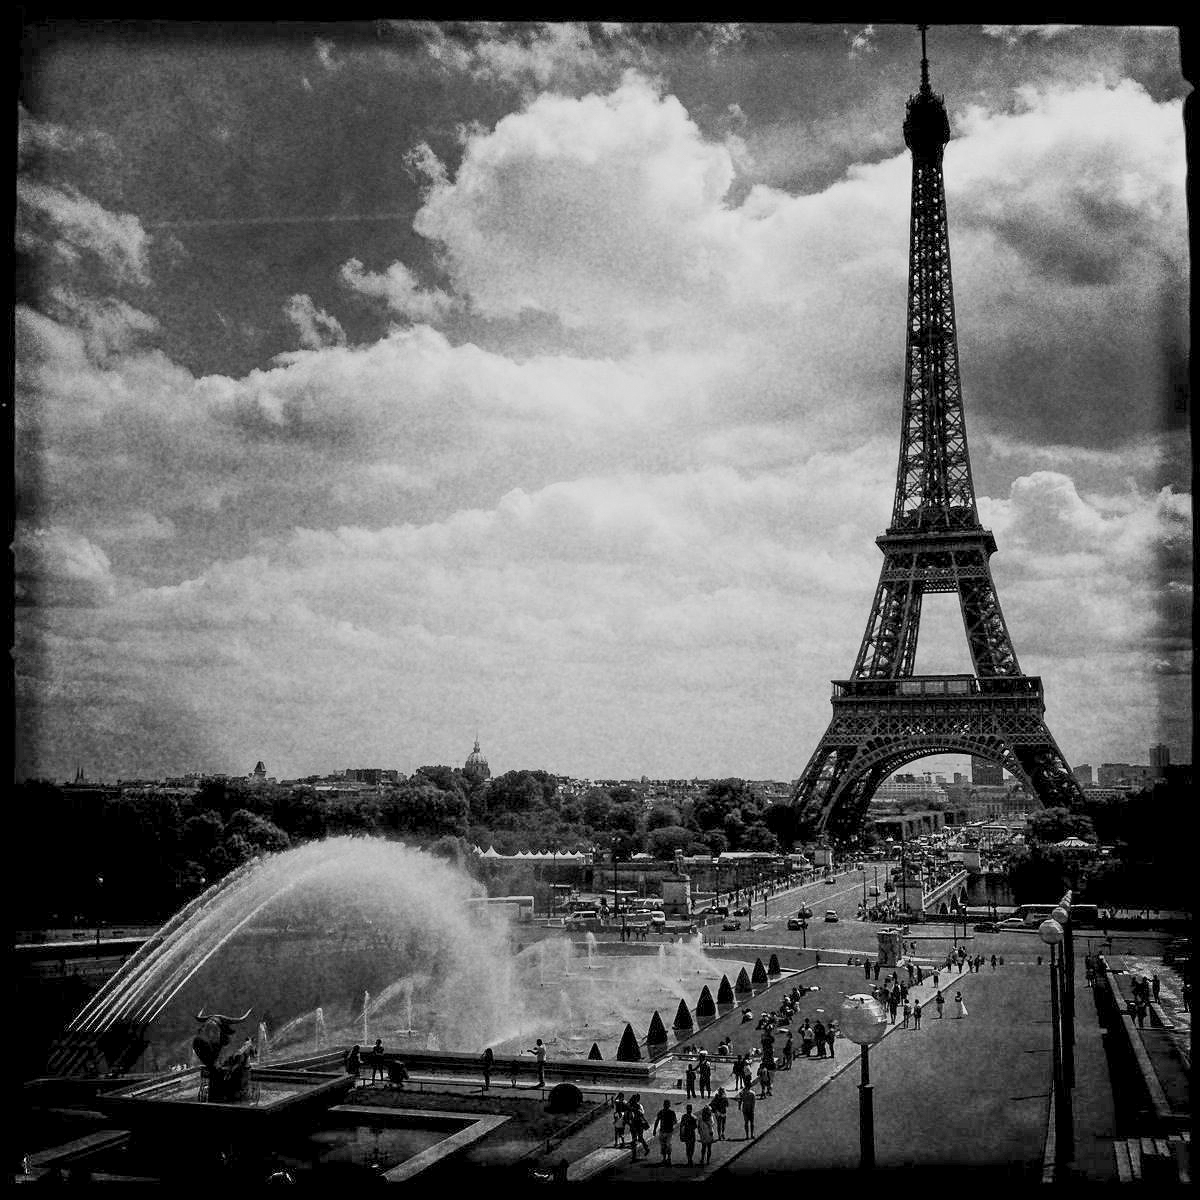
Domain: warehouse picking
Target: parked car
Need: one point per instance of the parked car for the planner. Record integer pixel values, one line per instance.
(987, 927)
(731, 923)
(1012, 923)
(795, 923)
(830, 879)
(874, 891)
(804, 912)
(831, 914)
(744, 911)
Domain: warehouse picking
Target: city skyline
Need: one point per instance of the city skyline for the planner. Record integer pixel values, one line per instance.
(377, 382)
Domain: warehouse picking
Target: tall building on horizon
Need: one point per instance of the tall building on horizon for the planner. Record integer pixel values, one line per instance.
(1160, 759)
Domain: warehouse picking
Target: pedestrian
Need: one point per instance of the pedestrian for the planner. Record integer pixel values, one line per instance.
(764, 1078)
(875, 966)
(486, 1062)
(353, 1063)
(788, 1052)
(960, 1005)
(831, 1032)
(940, 1001)
(1002, 960)
(920, 974)
(909, 968)
(807, 1038)
(1141, 1014)
(720, 1110)
(866, 968)
(704, 1073)
(377, 1063)
(690, 1081)
(707, 1133)
(993, 962)
(903, 992)
(688, 1126)
(539, 1052)
(619, 1119)
(917, 1015)
(736, 1075)
(746, 1102)
(1154, 986)
(664, 1127)
(907, 1014)
(936, 977)
(819, 1038)
(637, 1124)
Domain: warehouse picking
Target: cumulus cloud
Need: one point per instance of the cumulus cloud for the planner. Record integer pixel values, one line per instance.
(1012, 34)
(58, 567)
(862, 42)
(79, 225)
(314, 325)
(399, 289)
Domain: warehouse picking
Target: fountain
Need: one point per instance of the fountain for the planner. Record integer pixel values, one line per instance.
(350, 938)
(262, 1044)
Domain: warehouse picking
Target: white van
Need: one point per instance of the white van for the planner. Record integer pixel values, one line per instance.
(584, 918)
(658, 919)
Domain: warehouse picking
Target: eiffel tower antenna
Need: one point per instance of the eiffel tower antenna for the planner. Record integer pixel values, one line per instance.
(885, 716)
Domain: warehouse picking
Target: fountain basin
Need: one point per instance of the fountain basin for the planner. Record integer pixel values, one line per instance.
(170, 1105)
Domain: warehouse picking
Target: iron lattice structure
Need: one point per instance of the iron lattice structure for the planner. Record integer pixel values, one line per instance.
(885, 716)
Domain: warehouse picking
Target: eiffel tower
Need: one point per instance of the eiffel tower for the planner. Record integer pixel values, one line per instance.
(884, 715)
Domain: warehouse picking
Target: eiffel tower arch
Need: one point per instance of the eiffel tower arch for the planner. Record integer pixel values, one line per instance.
(884, 715)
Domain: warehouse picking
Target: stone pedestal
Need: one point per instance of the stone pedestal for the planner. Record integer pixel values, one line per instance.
(891, 947)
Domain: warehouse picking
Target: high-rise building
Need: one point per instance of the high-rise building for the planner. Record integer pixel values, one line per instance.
(984, 771)
(1083, 773)
(1160, 759)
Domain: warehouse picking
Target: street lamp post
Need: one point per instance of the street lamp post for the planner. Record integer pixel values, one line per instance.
(1066, 971)
(804, 933)
(1051, 932)
(864, 1023)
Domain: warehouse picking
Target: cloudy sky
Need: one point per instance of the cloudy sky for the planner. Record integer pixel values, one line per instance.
(380, 385)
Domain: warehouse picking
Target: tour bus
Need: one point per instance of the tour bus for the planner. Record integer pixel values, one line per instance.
(1081, 914)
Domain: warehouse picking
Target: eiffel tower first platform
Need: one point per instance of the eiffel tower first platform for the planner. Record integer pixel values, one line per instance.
(885, 716)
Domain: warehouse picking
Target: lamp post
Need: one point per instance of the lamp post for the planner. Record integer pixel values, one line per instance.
(1066, 971)
(804, 933)
(1051, 932)
(864, 1023)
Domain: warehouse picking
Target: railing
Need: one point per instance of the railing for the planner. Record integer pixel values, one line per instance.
(955, 686)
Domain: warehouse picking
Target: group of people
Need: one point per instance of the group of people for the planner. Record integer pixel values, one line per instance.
(1142, 989)
(703, 1128)
(381, 1068)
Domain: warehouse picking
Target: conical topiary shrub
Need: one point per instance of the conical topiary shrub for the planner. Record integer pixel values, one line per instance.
(594, 1052)
(706, 1006)
(629, 1050)
(657, 1033)
(759, 978)
(683, 1018)
(743, 982)
(773, 965)
(725, 991)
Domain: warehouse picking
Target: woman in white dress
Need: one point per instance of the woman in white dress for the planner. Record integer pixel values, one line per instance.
(960, 1004)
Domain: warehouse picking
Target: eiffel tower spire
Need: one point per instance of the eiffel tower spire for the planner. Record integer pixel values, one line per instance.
(885, 715)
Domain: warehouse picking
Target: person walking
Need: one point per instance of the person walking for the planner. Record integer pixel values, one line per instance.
(917, 1015)
(875, 967)
(688, 1126)
(707, 1134)
(736, 1074)
(819, 1038)
(619, 1118)
(940, 1001)
(764, 1078)
(920, 974)
(960, 1005)
(831, 1032)
(1154, 986)
(486, 1061)
(746, 1102)
(788, 1052)
(353, 1063)
(690, 1081)
(720, 1111)
(637, 1124)
(936, 977)
(993, 962)
(704, 1074)
(664, 1128)
(907, 1014)
(808, 1037)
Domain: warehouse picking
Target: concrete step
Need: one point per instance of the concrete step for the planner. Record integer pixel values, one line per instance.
(594, 1162)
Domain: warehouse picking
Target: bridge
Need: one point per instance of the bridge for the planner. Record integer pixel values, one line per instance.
(940, 898)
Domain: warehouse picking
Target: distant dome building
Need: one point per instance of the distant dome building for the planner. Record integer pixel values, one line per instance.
(476, 767)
